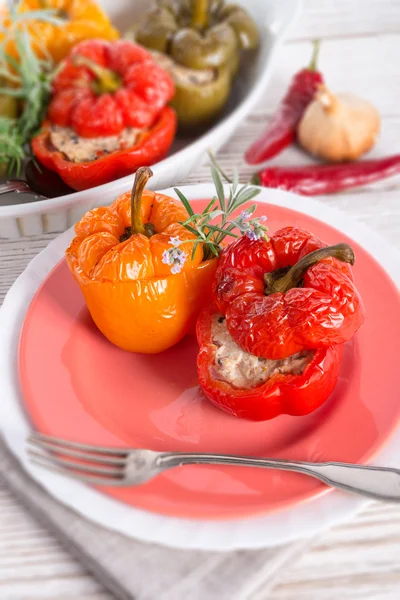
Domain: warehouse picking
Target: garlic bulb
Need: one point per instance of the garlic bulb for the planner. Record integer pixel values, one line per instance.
(338, 128)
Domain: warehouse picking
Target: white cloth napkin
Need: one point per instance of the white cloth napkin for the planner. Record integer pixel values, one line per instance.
(133, 570)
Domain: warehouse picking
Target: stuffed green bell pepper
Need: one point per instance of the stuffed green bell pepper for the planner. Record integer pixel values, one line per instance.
(199, 42)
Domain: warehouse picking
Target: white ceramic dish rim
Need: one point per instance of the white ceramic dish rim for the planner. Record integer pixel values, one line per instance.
(303, 520)
(210, 140)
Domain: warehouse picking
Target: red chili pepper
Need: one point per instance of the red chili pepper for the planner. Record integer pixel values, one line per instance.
(327, 179)
(267, 313)
(281, 394)
(281, 130)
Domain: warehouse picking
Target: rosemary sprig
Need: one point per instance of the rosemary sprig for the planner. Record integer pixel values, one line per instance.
(217, 220)
(212, 234)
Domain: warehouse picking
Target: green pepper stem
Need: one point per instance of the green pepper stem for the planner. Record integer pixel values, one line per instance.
(256, 180)
(142, 176)
(200, 14)
(314, 58)
(107, 81)
(293, 277)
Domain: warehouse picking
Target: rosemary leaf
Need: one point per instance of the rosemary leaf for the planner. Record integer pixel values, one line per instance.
(214, 250)
(194, 218)
(218, 168)
(244, 196)
(225, 231)
(211, 204)
(235, 181)
(214, 214)
(191, 229)
(201, 233)
(251, 209)
(219, 187)
(184, 201)
(211, 246)
(232, 202)
(195, 245)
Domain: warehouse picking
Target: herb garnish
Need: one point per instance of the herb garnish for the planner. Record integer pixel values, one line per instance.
(28, 80)
(216, 222)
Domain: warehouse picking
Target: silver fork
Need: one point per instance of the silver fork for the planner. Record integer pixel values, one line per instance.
(128, 467)
(19, 186)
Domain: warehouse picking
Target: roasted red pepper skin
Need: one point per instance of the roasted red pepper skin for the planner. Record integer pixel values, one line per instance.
(142, 89)
(282, 394)
(101, 89)
(152, 147)
(314, 180)
(327, 310)
(281, 129)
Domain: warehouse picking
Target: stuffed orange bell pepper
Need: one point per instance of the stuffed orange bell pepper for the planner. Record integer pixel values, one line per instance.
(143, 292)
(78, 20)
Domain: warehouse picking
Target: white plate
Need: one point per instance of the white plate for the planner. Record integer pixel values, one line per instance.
(57, 214)
(265, 531)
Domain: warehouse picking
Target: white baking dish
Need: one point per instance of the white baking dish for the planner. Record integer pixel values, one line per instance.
(57, 214)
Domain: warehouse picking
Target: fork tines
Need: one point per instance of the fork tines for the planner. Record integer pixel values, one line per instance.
(97, 465)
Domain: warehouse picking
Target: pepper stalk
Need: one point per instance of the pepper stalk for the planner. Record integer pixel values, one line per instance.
(142, 176)
(200, 14)
(106, 81)
(278, 282)
(314, 57)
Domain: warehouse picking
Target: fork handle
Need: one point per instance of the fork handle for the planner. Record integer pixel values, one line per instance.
(379, 483)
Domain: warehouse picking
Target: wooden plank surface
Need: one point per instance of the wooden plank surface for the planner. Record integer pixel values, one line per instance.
(326, 19)
(360, 53)
(33, 564)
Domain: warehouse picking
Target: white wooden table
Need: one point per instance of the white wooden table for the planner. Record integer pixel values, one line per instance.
(360, 53)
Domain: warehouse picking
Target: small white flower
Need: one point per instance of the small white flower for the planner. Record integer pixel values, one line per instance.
(174, 257)
(256, 230)
(262, 218)
(252, 235)
(175, 241)
(244, 215)
(176, 268)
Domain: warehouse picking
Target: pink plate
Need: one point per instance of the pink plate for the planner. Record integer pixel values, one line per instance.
(78, 386)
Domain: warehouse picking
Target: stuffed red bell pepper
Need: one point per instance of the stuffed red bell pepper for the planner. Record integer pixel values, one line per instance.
(272, 341)
(108, 114)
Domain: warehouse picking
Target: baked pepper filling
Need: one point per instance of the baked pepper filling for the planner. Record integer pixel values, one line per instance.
(244, 370)
(82, 149)
(183, 75)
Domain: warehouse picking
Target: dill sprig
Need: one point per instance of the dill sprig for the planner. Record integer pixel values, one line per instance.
(11, 145)
(27, 80)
